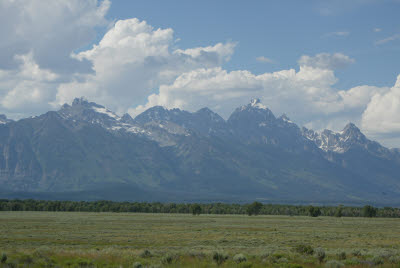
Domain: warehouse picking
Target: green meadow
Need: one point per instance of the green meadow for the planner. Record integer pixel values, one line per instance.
(90, 239)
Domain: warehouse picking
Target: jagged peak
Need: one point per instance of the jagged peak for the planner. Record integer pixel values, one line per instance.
(79, 101)
(83, 102)
(158, 107)
(205, 110)
(328, 132)
(256, 103)
(126, 116)
(285, 118)
(209, 114)
(254, 109)
(82, 105)
(65, 106)
(350, 127)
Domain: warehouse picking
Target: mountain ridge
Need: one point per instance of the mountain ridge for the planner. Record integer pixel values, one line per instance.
(252, 155)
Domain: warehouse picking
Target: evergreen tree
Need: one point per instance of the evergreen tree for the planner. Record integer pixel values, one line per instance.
(195, 209)
(254, 208)
(369, 211)
(314, 211)
(339, 211)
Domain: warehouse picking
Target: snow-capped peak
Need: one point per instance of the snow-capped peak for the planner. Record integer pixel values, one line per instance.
(83, 110)
(338, 142)
(257, 104)
(103, 110)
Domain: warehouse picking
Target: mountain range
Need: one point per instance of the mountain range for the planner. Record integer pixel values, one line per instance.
(86, 152)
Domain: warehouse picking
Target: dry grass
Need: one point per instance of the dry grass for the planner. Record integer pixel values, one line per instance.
(101, 239)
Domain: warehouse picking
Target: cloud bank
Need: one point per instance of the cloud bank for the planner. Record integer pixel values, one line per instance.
(135, 66)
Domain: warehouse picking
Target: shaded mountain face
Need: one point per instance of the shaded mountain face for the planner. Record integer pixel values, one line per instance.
(85, 151)
(254, 123)
(204, 121)
(4, 119)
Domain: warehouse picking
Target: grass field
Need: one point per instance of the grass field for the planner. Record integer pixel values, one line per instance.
(68, 239)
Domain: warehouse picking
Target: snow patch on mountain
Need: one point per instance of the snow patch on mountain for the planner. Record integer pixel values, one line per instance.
(257, 104)
(251, 123)
(103, 110)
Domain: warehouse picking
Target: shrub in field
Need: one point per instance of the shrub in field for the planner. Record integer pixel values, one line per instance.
(352, 261)
(356, 253)
(137, 265)
(385, 254)
(42, 251)
(219, 257)
(394, 259)
(294, 265)
(283, 260)
(3, 258)
(377, 260)
(266, 254)
(271, 259)
(320, 254)
(341, 255)
(304, 249)
(145, 254)
(197, 254)
(238, 258)
(333, 264)
(246, 265)
(84, 263)
(12, 265)
(274, 258)
(167, 259)
(278, 255)
(26, 259)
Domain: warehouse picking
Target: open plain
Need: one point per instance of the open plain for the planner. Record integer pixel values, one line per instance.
(89, 239)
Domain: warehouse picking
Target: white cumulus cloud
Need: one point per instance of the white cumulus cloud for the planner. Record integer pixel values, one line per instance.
(307, 95)
(38, 39)
(382, 115)
(50, 29)
(133, 60)
(27, 88)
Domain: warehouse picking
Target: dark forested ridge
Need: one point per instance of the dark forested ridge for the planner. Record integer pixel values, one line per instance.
(201, 208)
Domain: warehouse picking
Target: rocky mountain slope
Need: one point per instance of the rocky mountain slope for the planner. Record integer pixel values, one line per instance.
(84, 151)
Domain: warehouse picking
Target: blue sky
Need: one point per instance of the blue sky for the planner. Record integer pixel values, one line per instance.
(323, 63)
(283, 31)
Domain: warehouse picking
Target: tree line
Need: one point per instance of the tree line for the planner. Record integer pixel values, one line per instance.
(254, 208)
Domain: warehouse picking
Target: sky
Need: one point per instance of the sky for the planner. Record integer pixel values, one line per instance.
(323, 63)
